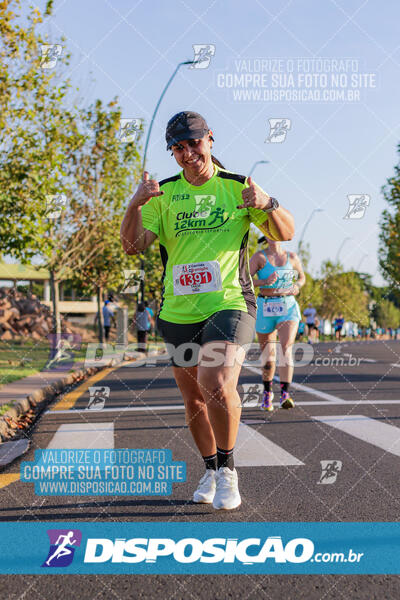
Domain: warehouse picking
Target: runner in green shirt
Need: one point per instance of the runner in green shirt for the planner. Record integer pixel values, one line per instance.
(202, 218)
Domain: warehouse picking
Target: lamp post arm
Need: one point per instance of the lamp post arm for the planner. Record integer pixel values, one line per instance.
(186, 62)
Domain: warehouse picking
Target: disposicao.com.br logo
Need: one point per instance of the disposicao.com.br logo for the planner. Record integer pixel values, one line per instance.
(212, 550)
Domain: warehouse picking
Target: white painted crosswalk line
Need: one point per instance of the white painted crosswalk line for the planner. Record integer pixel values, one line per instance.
(165, 407)
(252, 449)
(83, 435)
(303, 388)
(381, 435)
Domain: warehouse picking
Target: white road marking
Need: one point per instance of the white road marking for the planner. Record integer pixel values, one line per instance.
(306, 388)
(394, 364)
(117, 409)
(252, 449)
(83, 435)
(372, 431)
(155, 408)
(369, 360)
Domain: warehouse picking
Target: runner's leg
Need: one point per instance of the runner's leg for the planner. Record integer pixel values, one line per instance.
(218, 386)
(287, 335)
(196, 409)
(267, 343)
(201, 430)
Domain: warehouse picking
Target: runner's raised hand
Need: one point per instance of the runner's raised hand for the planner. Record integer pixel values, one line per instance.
(254, 197)
(147, 189)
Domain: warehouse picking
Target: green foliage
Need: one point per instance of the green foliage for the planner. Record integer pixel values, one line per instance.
(38, 135)
(389, 239)
(386, 314)
(106, 172)
(342, 293)
(310, 293)
(304, 254)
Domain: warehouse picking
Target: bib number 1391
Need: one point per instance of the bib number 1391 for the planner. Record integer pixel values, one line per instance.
(197, 278)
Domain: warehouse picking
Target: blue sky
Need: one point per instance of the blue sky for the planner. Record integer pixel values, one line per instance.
(332, 149)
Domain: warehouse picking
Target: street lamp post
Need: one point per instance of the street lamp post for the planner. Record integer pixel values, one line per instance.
(186, 62)
(361, 260)
(341, 246)
(259, 162)
(306, 225)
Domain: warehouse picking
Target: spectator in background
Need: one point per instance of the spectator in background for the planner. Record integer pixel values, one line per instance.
(317, 329)
(151, 313)
(301, 330)
(144, 322)
(107, 316)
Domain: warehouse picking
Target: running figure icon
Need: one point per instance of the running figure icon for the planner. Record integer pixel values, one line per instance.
(62, 549)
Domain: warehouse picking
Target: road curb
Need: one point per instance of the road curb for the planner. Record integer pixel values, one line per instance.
(21, 415)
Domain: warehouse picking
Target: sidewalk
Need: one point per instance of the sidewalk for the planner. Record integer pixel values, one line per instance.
(21, 388)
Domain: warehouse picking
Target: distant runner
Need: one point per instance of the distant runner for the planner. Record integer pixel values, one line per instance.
(338, 326)
(280, 277)
(310, 314)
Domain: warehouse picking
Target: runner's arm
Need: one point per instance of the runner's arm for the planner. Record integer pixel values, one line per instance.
(257, 262)
(296, 262)
(295, 288)
(134, 237)
(278, 224)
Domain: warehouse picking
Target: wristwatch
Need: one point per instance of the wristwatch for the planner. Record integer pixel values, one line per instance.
(275, 205)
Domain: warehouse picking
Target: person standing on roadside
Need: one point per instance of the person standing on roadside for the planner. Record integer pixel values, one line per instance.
(107, 316)
(202, 218)
(144, 323)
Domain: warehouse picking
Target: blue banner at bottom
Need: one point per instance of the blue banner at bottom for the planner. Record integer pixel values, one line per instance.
(199, 548)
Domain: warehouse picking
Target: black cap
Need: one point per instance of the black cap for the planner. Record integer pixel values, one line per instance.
(186, 125)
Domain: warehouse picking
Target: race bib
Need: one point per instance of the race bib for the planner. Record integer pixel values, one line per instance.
(197, 278)
(274, 309)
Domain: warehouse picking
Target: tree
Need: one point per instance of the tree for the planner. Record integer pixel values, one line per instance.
(342, 293)
(389, 239)
(310, 293)
(304, 253)
(386, 314)
(106, 172)
(38, 139)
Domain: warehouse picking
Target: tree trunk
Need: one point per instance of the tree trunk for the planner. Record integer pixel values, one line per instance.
(100, 314)
(55, 301)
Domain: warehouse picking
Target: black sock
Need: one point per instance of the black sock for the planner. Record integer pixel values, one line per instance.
(285, 386)
(225, 459)
(267, 386)
(211, 462)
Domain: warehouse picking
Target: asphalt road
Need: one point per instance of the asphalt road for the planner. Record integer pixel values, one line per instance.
(279, 464)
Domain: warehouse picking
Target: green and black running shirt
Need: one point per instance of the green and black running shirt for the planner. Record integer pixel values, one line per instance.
(203, 244)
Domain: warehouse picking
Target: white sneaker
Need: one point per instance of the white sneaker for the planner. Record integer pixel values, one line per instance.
(227, 493)
(206, 490)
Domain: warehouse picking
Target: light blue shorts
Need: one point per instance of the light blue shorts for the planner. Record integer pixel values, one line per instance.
(268, 324)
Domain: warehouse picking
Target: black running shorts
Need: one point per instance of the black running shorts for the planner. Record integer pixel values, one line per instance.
(184, 340)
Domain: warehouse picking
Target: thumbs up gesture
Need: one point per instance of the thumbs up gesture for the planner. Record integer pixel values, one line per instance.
(254, 197)
(147, 189)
